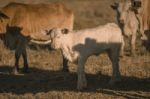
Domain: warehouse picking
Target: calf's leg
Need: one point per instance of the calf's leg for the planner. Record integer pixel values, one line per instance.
(114, 57)
(122, 48)
(82, 82)
(65, 65)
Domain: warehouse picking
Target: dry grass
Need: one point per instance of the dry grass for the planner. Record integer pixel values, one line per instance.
(46, 81)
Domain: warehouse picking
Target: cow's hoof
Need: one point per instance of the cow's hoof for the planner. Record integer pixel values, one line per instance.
(144, 37)
(25, 70)
(65, 70)
(15, 71)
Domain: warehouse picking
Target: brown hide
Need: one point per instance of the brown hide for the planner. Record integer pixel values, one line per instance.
(35, 18)
(145, 14)
(20, 23)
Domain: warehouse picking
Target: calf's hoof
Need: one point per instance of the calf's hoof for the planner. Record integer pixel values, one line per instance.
(114, 81)
(82, 85)
(121, 54)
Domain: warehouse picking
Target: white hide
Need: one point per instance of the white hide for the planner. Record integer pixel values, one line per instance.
(77, 46)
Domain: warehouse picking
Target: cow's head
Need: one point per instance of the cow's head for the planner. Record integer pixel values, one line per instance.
(122, 9)
(58, 37)
(136, 3)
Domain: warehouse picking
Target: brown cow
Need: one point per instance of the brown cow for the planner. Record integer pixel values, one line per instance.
(142, 8)
(21, 23)
(128, 22)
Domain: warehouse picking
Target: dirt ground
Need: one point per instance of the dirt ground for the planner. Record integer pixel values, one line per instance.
(47, 81)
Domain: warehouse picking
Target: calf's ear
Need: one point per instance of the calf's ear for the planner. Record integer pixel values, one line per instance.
(65, 31)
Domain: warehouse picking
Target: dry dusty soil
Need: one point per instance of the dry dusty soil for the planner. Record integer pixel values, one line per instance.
(47, 81)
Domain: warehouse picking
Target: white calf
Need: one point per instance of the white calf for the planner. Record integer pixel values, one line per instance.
(77, 46)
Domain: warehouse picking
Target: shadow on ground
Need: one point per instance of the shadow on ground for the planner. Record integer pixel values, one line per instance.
(39, 80)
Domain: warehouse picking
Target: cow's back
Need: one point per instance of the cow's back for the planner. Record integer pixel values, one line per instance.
(34, 18)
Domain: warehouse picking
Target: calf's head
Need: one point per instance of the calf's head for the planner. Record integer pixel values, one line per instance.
(58, 37)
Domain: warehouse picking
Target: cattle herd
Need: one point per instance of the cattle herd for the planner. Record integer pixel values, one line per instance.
(52, 24)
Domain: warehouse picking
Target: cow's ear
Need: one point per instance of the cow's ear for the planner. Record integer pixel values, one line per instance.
(65, 31)
(2, 15)
(114, 6)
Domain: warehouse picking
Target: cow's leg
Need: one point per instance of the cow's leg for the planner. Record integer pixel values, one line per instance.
(82, 82)
(20, 50)
(133, 41)
(114, 57)
(24, 54)
(17, 57)
(143, 37)
(65, 65)
(16, 68)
